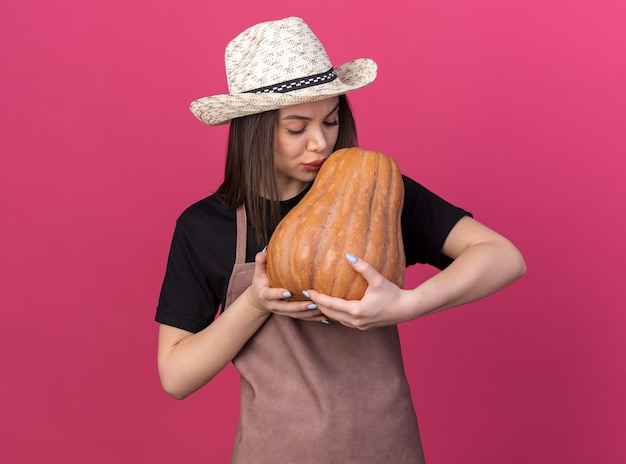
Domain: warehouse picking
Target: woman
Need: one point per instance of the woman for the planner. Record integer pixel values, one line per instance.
(310, 392)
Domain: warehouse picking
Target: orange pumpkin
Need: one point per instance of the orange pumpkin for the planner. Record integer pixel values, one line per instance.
(354, 206)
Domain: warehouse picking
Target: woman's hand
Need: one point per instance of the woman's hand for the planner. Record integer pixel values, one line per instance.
(264, 298)
(383, 303)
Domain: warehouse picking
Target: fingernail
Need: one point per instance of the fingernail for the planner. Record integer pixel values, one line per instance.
(264, 250)
(305, 293)
(286, 294)
(324, 321)
(312, 306)
(351, 258)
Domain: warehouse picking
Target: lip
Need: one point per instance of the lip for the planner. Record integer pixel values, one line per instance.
(314, 166)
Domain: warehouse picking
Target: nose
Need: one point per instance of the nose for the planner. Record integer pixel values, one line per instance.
(317, 141)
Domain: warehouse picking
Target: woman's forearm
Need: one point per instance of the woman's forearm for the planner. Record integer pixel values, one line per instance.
(188, 361)
(482, 269)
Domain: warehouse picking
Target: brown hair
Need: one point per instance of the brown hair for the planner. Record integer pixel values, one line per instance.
(250, 176)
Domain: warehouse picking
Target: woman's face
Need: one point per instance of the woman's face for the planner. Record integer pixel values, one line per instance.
(304, 137)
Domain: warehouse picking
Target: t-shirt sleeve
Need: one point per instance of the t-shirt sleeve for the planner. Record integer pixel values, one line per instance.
(427, 219)
(187, 300)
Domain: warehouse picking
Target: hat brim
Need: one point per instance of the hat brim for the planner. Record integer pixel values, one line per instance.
(220, 109)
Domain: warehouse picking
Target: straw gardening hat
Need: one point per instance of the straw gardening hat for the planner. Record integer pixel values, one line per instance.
(276, 64)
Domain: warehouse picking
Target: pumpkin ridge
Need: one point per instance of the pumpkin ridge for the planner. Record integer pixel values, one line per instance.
(398, 204)
(355, 281)
(283, 237)
(321, 190)
(319, 257)
(342, 217)
(296, 280)
(293, 264)
(388, 270)
(400, 269)
(333, 189)
(395, 211)
(391, 245)
(373, 240)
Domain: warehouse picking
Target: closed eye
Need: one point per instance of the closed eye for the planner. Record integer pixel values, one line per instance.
(301, 131)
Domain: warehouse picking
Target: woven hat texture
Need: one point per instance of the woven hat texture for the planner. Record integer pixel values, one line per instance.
(276, 64)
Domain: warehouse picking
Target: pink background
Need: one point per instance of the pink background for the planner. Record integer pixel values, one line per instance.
(513, 110)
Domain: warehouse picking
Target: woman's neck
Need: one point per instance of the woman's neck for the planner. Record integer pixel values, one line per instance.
(291, 190)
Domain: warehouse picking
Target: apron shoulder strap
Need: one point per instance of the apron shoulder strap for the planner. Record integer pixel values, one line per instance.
(242, 232)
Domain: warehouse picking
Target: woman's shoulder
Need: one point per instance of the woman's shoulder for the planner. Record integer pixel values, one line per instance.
(413, 190)
(208, 206)
(208, 213)
(416, 193)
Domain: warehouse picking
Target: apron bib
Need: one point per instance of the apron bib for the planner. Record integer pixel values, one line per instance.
(320, 394)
